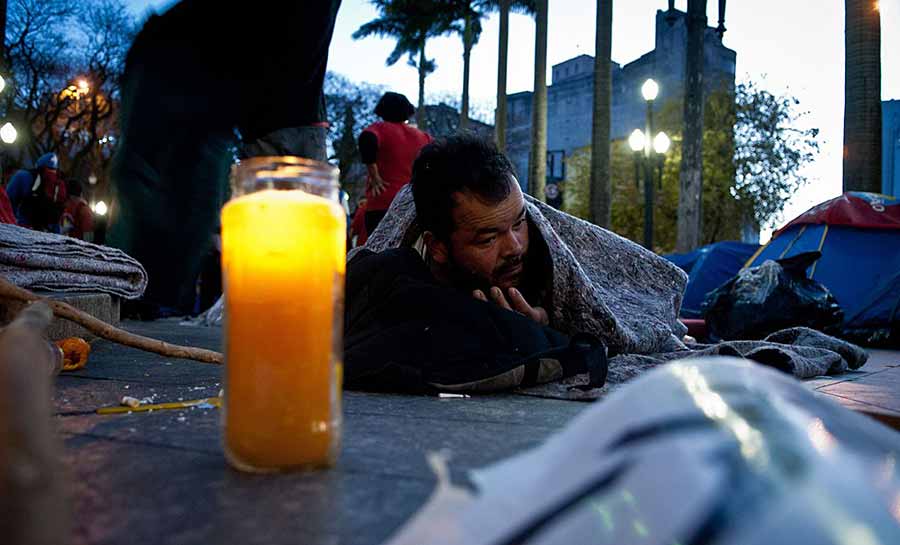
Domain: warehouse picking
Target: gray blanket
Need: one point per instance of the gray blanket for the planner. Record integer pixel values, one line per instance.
(45, 261)
(629, 297)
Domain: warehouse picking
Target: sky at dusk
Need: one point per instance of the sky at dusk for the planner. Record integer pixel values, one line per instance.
(793, 46)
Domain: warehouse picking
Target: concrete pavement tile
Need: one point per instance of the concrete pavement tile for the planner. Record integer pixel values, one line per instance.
(880, 389)
(150, 495)
(880, 360)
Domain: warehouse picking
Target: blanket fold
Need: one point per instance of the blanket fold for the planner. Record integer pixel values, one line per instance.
(46, 261)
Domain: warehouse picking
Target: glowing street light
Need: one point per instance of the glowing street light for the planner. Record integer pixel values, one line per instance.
(636, 141)
(8, 133)
(661, 143)
(654, 149)
(649, 90)
(83, 86)
(100, 208)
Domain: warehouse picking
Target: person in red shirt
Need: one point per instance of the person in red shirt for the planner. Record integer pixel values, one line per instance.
(388, 149)
(77, 218)
(6, 210)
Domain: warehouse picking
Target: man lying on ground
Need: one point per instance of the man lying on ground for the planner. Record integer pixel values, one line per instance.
(429, 295)
(461, 247)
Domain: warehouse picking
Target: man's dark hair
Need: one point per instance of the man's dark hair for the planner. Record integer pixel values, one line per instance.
(394, 107)
(461, 163)
(73, 188)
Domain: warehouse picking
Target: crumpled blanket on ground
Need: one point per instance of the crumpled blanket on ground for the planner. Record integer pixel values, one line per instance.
(800, 351)
(46, 261)
(628, 297)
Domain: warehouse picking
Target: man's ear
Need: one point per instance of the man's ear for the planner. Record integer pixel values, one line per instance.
(437, 249)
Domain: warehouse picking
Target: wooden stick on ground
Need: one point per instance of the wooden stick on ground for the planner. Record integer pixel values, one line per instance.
(102, 329)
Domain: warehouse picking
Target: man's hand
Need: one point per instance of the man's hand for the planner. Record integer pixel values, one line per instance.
(516, 303)
(378, 185)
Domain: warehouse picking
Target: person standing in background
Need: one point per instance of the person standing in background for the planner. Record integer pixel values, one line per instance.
(6, 210)
(184, 102)
(388, 149)
(38, 195)
(77, 218)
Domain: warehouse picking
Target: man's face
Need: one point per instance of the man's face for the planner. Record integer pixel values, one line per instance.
(489, 242)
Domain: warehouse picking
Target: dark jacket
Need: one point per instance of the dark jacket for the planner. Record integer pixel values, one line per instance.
(405, 332)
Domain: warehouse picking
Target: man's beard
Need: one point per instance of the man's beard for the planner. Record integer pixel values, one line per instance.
(471, 281)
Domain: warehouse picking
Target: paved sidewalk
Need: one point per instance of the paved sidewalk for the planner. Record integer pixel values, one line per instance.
(874, 389)
(160, 477)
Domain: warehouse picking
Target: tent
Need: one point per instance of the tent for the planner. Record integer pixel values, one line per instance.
(859, 237)
(708, 268)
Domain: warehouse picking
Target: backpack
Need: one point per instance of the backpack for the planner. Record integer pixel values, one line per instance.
(45, 202)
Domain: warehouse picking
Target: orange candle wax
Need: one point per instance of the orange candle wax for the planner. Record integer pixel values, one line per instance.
(283, 257)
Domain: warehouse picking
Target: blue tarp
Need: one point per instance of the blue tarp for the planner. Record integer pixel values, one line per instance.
(861, 267)
(708, 268)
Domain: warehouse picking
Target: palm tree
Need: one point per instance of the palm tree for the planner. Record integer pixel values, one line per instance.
(601, 197)
(411, 23)
(504, 7)
(538, 160)
(691, 191)
(469, 13)
(862, 96)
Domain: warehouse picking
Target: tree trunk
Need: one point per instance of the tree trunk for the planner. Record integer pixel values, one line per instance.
(537, 175)
(601, 195)
(503, 55)
(691, 195)
(3, 36)
(862, 97)
(467, 54)
(420, 111)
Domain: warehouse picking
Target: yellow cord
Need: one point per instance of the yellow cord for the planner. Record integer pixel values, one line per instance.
(214, 401)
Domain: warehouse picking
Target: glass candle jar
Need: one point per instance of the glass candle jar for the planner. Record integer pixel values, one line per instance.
(283, 261)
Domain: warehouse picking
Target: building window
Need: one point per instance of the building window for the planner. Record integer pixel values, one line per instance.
(556, 165)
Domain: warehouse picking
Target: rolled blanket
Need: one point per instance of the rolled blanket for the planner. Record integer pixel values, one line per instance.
(36, 260)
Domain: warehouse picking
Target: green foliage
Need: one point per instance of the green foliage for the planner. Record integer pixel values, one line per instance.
(772, 150)
(753, 153)
(411, 23)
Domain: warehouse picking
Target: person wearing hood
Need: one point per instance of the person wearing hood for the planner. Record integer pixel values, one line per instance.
(388, 149)
(38, 196)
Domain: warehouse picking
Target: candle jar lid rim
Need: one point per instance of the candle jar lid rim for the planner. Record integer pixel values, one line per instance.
(263, 161)
(285, 172)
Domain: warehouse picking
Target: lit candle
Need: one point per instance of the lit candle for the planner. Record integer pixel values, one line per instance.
(283, 256)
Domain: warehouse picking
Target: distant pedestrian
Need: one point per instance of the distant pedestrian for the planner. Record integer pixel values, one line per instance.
(38, 195)
(388, 149)
(77, 218)
(6, 210)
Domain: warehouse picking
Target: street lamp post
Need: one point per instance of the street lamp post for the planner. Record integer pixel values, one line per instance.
(654, 147)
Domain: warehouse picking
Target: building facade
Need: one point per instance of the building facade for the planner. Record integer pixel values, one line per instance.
(571, 93)
(890, 147)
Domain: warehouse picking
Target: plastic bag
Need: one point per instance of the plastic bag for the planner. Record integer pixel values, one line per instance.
(773, 296)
